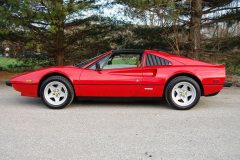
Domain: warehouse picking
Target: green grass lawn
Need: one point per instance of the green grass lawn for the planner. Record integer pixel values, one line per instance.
(13, 65)
(127, 61)
(4, 62)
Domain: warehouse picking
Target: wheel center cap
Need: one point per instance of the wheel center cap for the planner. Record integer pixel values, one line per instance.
(56, 93)
(183, 93)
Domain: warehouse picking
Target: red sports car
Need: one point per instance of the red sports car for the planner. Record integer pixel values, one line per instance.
(125, 74)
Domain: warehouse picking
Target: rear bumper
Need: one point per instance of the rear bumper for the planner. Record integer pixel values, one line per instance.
(227, 84)
(8, 83)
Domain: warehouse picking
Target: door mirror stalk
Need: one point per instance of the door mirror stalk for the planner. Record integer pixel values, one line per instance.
(98, 68)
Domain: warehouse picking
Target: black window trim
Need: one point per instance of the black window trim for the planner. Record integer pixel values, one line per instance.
(150, 61)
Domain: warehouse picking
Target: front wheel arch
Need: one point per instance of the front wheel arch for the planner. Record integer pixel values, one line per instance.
(50, 75)
(56, 92)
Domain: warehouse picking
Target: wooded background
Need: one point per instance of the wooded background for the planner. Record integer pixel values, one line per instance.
(74, 30)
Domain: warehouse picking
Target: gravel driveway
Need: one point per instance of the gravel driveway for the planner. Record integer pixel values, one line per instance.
(119, 130)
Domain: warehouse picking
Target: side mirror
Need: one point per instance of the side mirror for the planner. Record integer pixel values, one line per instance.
(98, 67)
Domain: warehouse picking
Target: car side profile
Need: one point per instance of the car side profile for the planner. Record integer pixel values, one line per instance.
(132, 74)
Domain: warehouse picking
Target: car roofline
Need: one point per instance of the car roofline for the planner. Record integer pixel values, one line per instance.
(141, 51)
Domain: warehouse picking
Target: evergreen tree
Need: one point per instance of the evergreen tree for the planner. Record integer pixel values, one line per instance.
(192, 15)
(57, 26)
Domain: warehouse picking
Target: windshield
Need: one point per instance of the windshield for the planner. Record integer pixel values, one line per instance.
(84, 63)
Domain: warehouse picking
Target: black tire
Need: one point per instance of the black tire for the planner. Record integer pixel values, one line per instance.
(182, 93)
(56, 92)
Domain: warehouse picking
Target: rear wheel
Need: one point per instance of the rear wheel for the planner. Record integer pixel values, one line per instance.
(182, 93)
(56, 92)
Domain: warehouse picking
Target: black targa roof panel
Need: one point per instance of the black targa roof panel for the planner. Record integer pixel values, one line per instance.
(129, 51)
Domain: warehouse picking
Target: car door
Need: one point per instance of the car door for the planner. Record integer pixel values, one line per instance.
(153, 76)
(114, 80)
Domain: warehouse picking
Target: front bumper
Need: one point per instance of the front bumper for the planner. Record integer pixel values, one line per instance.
(8, 83)
(228, 84)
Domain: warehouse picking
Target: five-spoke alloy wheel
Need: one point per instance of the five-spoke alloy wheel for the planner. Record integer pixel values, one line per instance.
(56, 92)
(182, 93)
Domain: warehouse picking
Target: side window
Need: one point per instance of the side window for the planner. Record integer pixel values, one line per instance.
(152, 60)
(123, 61)
(101, 62)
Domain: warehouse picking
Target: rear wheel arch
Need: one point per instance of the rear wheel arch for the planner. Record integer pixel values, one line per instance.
(50, 75)
(187, 75)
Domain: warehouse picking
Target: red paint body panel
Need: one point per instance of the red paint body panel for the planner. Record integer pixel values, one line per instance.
(111, 82)
(31, 88)
(205, 74)
(210, 89)
(26, 90)
(144, 91)
(127, 82)
(77, 90)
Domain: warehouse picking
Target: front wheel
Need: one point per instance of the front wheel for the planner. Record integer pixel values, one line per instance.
(182, 93)
(56, 92)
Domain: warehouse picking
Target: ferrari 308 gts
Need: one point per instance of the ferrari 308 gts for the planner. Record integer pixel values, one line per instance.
(125, 74)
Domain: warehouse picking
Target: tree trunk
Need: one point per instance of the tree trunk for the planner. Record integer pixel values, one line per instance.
(59, 29)
(59, 56)
(195, 28)
(59, 59)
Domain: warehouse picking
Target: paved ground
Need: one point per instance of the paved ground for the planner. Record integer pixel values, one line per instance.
(119, 130)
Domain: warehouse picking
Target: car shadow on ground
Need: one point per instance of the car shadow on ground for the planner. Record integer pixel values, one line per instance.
(112, 104)
(37, 103)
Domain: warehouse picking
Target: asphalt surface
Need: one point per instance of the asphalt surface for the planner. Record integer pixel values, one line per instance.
(119, 130)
